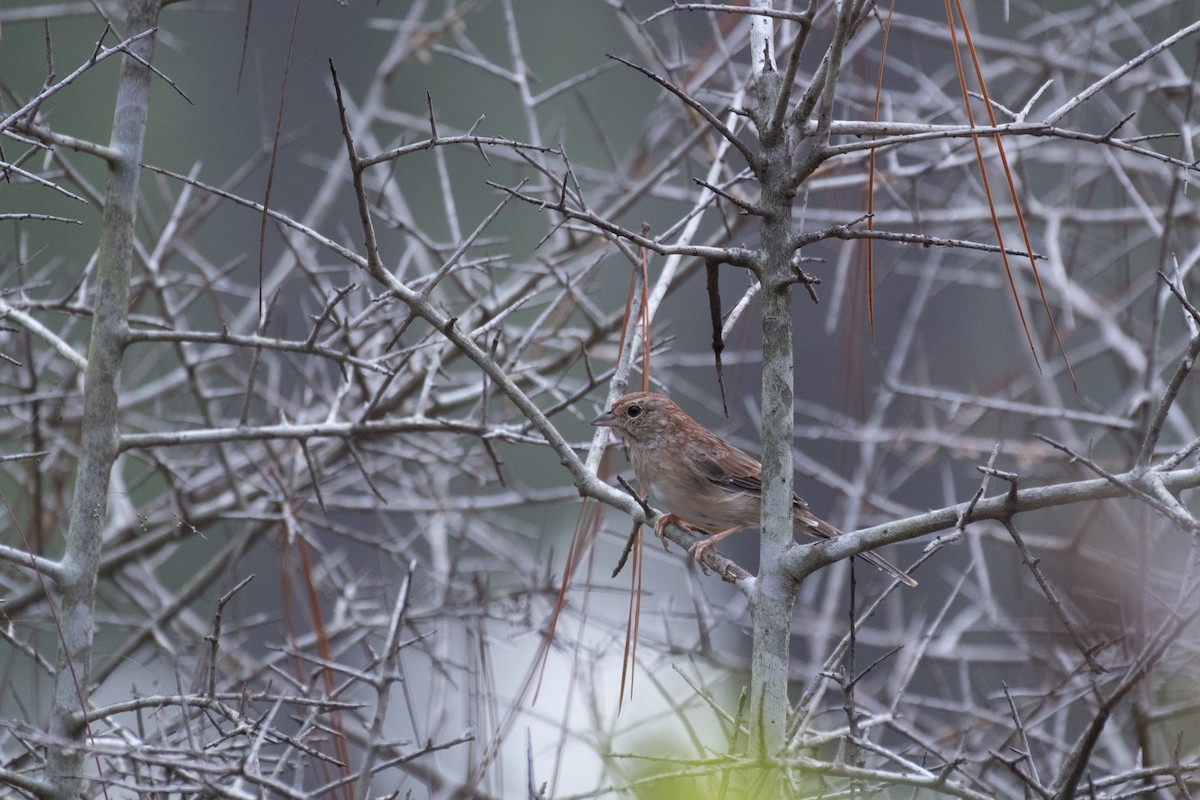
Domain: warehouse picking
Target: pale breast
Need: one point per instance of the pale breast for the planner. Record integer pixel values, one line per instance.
(674, 487)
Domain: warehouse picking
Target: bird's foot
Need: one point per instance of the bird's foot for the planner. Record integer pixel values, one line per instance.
(660, 525)
(697, 550)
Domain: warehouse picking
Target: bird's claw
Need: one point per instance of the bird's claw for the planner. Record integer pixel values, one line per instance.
(660, 525)
(697, 550)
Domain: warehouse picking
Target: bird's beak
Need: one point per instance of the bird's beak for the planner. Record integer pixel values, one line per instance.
(606, 420)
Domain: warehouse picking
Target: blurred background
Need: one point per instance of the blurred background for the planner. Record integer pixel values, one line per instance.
(445, 499)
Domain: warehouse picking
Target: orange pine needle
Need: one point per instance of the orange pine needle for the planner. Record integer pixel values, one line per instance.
(1012, 189)
(987, 187)
(633, 621)
(645, 315)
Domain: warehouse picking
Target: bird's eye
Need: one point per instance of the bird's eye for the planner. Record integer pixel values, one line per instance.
(634, 411)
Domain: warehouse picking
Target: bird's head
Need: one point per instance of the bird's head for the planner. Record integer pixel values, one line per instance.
(643, 418)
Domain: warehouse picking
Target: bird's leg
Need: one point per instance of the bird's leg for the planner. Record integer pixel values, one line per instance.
(696, 551)
(662, 522)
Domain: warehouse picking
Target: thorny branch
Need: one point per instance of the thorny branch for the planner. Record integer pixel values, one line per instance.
(395, 452)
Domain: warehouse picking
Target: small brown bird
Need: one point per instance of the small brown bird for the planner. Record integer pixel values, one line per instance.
(701, 480)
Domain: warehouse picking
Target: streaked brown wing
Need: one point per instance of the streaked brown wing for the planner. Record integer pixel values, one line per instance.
(728, 467)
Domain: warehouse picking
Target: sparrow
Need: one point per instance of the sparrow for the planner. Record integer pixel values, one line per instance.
(703, 482)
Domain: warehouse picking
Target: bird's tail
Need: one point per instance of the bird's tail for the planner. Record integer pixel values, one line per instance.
(888, 567)
(820, 528)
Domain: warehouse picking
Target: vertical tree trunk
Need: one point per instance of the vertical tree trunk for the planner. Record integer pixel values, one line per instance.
(775, 591)
(99, 436)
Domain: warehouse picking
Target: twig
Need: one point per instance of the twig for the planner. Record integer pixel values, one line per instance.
(1077, 635)
(214, 637)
